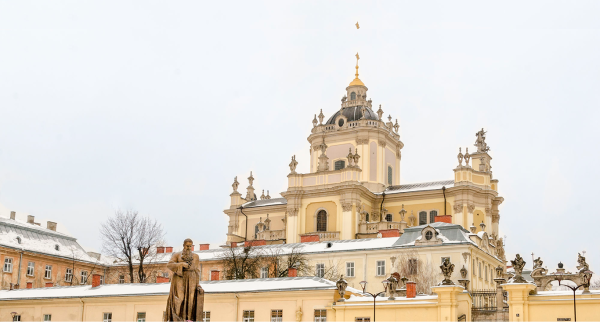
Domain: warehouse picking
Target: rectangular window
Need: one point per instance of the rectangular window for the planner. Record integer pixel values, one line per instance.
(350, 269)
(390, 175)
(248, 316)
(381, 268)
(107, 317)
(422, 217)
(339, 164)
(141, 317)
(320, 315)
(432, 215)
(30, 268)
(101, 280)
(8, 262)
(276, 315)
(480, 276)
(206, 316)
(84, 277)
(69, 275)
(48, 273)
(264, 272)
(47, 317)
(320, 270)
(413, 266)
(17, 318)
(486, 276)
(121, 279)
(362, 319)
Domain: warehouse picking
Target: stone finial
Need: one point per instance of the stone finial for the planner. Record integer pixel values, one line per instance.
(250, 196)
(344, 98)
(314, 122)
(341, 286)
(260, 225)
(251, 179)
(267, 222)
(262, 196)
(321, 116)
(268, 197)
(235, 185)
(323, 159)
(402, 213)
(463, 272)
(389, 117)
(396, 126)
(447, 268)
(460, 157)
(380, 112)
(518, 265)
(356, 157)
(482, 147)
(467, 156)
(293, 165)
(412, 218)
(350, 158)
(363, 111)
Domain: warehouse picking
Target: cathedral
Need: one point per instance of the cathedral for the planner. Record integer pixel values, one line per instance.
(353, 190)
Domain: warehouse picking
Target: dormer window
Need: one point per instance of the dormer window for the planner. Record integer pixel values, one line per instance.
(428, 235)
(352, 96)
(56, 247)
(19, 240)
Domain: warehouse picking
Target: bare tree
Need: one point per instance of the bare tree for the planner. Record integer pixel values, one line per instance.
(130, 238)
(78, 257)
(279, 261)
(241, 263)
(333, 270)
(418, 270)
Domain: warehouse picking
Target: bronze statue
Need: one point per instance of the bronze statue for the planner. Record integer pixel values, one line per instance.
(186, 297)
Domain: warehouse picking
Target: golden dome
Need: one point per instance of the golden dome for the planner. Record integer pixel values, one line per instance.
(356, 81)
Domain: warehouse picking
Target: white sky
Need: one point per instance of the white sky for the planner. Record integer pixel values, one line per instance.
(156, 106)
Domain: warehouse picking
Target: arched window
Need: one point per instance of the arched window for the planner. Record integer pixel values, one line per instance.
(322, 221)
(432, 215)
(388, 217)
(389, 175)
(255, 231)
(339, 164)
(422, 217)
(367, 217)
(352, 96)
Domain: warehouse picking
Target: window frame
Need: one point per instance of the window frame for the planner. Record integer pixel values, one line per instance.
(248, 316)
(121, 279)
(107, 317)
(350, 267)
(341, 161)
(432, 215)
(422, 215)
(48, 272)
(47, 318)
(17, 318)
(69, 275)
(264, 272)
(278, 316)
(325, 217)
(84, 278)
(8, 264)
(320, 270)
(390, 219)
(380, 266)
(362, 319)
(30, 265)
(390, 175)
(141, 317)
(413, 266)
(206, 316)
(322, 315)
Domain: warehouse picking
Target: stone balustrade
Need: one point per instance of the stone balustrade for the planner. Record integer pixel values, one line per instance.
(270, 235)
(320, 179)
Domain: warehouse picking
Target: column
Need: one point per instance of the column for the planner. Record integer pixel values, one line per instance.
(518, 303)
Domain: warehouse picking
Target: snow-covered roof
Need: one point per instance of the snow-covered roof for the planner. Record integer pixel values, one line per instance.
(447, 232)
(210, 287)
(427, 186)
(34, 238)
(269, 202)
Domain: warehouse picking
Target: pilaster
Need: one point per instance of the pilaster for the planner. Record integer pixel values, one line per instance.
(518, 301)
(447, 302)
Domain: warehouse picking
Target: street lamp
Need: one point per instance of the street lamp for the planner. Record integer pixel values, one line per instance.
(587, 275)
(363, 284)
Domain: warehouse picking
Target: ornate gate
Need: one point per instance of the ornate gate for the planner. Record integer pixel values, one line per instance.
(484, 306)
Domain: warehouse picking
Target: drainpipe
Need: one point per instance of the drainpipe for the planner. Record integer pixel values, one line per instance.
(237, 302)
(246, 235)
(19, 274)
(82, 308)
(381, 207)
(444, 192)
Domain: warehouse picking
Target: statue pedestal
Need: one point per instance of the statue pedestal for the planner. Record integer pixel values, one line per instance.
(518, 295)
(464, 283)
(447, 301)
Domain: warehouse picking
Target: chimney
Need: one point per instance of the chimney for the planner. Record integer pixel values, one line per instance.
(29, 285)
(310, 238)
(204, 246)
(389, 233)
(160, 249)
(12, 215)
(168, 249)
(234, 244)
(411, 289)
(292, 272)
(51, 225)
(49, 284)
(30, 219)
(443, 218)
(95, 280)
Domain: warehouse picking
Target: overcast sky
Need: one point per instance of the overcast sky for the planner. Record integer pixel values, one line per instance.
(156, 106)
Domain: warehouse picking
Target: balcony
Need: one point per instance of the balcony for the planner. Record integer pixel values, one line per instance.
(322, 236)
(270, 235)
(375, 227)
